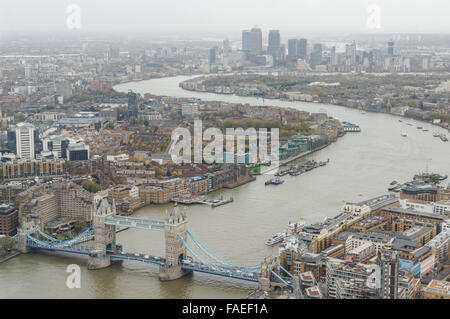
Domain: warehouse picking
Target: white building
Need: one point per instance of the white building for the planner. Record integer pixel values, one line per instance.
(25, 141)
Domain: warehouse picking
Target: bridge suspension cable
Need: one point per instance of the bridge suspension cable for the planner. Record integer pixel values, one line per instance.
(287, 272)
(204, 261)
(281, 279)
(216, 258)
(81, 235)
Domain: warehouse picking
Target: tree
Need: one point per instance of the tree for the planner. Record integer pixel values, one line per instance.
(91, 186)
(80, 225)
(6, 243)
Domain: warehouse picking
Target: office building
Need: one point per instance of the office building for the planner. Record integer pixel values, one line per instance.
(246, 40)
(256, 41)
(77, 152)
(333, 59)
(292, 47)
(23, 141)
(226, 46)
(57, 145)
(302, 49)
(274, 42)
(212, 56)
(316, 55)
(132, 104)
(390, 50)
(274, 48)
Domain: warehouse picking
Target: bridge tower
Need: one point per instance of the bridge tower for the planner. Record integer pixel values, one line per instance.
(103, 235)
(264, 279)
(175, 225)
(22, 231)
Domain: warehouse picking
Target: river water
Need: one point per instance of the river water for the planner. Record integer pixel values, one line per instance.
(361, 166)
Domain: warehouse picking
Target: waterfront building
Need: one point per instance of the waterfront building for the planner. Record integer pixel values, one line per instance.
(9, 219)
(199, 185)
(423, 192)
(60, 207)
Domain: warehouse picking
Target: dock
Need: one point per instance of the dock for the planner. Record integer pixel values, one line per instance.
(190, 200)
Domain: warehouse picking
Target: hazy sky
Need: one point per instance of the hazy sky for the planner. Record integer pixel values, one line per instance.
(421, 16)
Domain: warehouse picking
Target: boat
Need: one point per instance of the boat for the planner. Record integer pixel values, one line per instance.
(394, 183)
(425, 130)
(443, 138)
(436, 134)
(400, 121)
(403, 134)
(275, 239)
(275, 181)
(419, 127)
(396, 188)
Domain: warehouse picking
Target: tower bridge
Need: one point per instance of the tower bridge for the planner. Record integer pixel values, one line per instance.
(184, 254)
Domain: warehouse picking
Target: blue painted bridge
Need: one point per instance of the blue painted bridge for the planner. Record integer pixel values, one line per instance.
(191, 255)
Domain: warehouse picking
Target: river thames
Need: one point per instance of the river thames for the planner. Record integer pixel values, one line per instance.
(361, 166)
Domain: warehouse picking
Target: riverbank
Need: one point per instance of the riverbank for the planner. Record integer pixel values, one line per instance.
(9, 256)
(182, 86)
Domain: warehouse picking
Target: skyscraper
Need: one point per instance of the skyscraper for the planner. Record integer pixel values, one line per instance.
(226, 46)
(25, 141)
(246, 40)
(302, 48)
(274, 46)
(316, 55)
(274, 41)
(256, 41)
(212, 56)
(292, 47)
(391, 47)
(387, 260)
(132, 104)
(333, 60)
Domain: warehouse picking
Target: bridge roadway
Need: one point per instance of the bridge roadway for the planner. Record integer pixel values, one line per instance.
(157, 261)
(222, 271)
(123, 221)
(77, 249)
